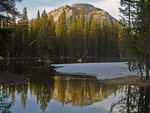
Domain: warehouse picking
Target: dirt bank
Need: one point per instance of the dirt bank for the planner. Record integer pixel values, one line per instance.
(9, 78)
(128, 80)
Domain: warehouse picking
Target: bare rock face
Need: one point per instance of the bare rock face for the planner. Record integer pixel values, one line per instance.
(98, 14)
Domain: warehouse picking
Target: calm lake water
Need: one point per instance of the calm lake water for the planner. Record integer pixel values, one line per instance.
(51, 92)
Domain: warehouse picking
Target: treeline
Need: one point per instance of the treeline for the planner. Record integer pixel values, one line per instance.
(45, 38)
(14, 37)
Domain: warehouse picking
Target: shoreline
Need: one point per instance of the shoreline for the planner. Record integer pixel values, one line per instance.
(13, 79)
(127, 80)
(7, 78)
(66, 58)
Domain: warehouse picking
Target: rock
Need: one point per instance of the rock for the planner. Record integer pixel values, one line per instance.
(1, 58)
(99, 14)
(79, 60)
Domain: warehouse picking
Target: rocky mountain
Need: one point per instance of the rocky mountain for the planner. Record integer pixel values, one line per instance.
(98, 14)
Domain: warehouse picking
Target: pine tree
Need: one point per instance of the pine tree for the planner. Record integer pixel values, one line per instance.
(25, 31)
(52, 35)
(74, 35)
(83, 35)
(8, 7)
(79, 36)
(88, 28)
(121, 42)
(126, 11)
(69, 44)
(61, 33)
(114, 40)
(143, 27)
(34, 32)
(104, 40)
(82, 27)
(137, 35)
(13, 36)
(94, 38)
(46, 37)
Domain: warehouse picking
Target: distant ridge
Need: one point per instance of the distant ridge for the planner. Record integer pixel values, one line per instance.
(98, 14)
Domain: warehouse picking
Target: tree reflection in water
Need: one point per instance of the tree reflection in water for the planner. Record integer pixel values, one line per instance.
(135, 100)
(46, 85)
(75, 90)
(5, 104)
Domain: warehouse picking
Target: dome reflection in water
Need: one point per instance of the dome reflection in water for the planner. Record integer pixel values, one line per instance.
(48, 91)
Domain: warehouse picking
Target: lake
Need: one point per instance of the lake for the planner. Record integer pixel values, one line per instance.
(49, 91)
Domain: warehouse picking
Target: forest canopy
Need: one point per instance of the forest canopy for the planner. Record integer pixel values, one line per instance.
(44, 37)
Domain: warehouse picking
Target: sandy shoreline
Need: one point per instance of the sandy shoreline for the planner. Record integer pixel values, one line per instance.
(127, 80)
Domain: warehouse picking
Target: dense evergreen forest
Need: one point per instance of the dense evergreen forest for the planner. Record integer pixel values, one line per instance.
(45, 38)
(42, 37)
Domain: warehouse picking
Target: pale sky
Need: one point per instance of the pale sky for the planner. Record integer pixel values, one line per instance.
(111, 6)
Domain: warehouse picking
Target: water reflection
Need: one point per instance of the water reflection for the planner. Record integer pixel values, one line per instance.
(135, 100)
(45, 85)
(5, 104)
(80, 91)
